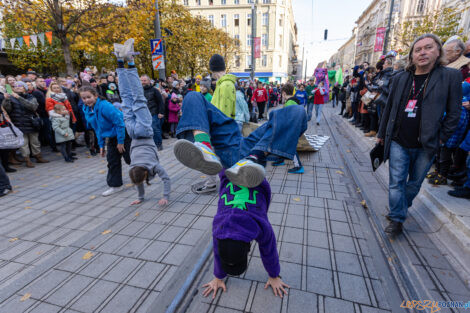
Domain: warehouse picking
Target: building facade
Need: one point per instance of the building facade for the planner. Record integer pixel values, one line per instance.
(360, 47)
(275, 26)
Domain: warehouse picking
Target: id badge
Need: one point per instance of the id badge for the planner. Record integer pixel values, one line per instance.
(411, 105)
(411, 114)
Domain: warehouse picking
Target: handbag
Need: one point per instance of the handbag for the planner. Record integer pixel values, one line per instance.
(10, 136)
(37, 122)
(368, 97)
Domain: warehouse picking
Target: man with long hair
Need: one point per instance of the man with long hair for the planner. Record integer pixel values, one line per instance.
(422, 112)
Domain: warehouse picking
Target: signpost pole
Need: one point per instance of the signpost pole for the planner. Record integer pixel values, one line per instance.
(253, 35)
(158, 34)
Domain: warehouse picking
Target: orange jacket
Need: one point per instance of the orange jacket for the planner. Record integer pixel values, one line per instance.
(50, 104)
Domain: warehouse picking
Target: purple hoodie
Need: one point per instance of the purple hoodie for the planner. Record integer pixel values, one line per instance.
(242, 215)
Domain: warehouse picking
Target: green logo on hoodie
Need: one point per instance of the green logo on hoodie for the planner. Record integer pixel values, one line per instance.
(241, 197)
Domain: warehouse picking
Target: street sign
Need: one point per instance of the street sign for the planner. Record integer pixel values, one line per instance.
(156, 46)
(156, 49)
(158, 62)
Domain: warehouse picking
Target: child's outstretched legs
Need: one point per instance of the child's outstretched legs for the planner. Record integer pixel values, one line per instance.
(136, 113)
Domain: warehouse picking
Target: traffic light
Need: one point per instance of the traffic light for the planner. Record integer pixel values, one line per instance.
(325, 36)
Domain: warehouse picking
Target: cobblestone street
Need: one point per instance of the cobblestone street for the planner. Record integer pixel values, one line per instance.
(65, 248)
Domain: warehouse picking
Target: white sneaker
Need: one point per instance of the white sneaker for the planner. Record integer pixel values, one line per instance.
(246, 173)
(350, 119)
(197, 156)
(111, 191)
(125, 51)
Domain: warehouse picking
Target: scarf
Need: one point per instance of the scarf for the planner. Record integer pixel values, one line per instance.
(60, 97)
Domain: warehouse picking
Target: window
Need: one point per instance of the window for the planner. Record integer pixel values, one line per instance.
(211, 2)
(236, 2)
(266, 1)
(223, 20)
(237, 40)
(198, 2)
(248, 19)
(248, 61)
(280, 61)
(264, 60)
(280, 41)
(237, 61)
(248, 40)
(211, 19)
(250, 1)
(420, 7)
(186, 2)
(281, 20)
(223, 2)
(264, 40)
(265, 19)
(236, 20)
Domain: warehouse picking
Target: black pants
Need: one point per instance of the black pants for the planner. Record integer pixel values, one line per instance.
(445, 160)
(114, 178)
(374, 121)
(4, 154)
(66, 149)
(460, 160)
(343, 107)
(261, 106)
(4, 180)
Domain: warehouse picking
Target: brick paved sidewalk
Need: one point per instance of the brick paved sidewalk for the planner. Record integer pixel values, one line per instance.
(65, 260)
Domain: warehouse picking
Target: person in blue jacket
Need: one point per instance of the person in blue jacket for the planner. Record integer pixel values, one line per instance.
(301, 94)
(108, 123)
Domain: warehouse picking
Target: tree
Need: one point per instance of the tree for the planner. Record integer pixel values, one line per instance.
(444, 23)
(68, 20)
(89, 40)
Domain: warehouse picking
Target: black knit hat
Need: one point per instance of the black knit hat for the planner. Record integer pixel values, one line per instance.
(217, 63)
(233, 256)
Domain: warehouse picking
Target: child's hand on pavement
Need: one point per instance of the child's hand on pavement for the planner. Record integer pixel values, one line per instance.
(213, 286)
(163, 202)
(278, 286)
(136, 202)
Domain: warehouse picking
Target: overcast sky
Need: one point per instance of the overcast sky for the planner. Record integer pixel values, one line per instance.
(338, 16)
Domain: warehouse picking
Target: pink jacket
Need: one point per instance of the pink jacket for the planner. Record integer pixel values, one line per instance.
(173, 109)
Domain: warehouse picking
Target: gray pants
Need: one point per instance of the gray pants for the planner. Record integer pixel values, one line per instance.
(30, 140)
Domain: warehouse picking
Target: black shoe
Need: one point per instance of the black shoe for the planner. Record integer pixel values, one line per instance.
(365, 130)
(73, 154)
(456, 175)
(54, 149)
(394, 228)
(460, 193)
(93, 152)
(160, 148)
(4, 192)
(9, 169)
(165, 136)
(318, 123)
(73, 158)
(459, 182)
(69, 160)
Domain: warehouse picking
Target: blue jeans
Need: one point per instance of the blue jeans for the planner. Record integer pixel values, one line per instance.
(309, 111)
(278, 136)
(467, 182)
(134, 104)
(407, 170)
(157, 130)
(318, 109)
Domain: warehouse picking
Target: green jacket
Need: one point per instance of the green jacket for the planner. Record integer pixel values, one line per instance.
(60, 125)
(224, 97)
(291, 101)
(309, 90)
(208, 96)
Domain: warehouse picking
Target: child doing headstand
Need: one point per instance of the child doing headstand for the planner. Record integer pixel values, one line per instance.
(144, 158)
(242, 217)
(64, 136)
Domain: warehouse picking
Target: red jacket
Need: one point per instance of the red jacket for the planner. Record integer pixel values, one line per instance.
(50, 104)
(318, 97)
(260, 95)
